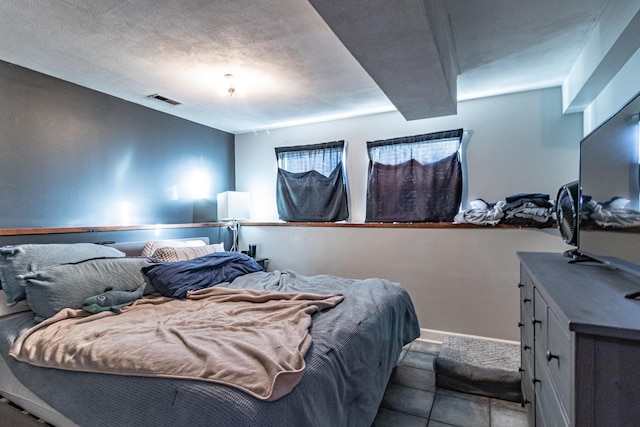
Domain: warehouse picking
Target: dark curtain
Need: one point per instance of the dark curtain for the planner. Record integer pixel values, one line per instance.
(412, 191)
(311, 196)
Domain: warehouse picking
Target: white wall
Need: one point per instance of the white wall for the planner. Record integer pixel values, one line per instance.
(461, 280)
(619, 90)
(517, 143)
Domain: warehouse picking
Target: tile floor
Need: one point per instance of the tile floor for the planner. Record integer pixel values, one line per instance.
(412, 399)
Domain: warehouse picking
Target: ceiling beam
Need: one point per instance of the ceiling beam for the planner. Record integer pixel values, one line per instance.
(613, 41)
(408, 51)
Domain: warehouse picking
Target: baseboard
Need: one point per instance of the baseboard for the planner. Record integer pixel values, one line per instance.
(432, 335)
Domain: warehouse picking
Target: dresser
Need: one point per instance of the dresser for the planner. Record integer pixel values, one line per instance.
(580, 342)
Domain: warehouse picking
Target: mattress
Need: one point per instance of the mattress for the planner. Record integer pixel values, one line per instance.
(12, 389)
(355, 346)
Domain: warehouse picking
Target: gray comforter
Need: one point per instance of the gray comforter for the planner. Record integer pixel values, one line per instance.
(355, 346)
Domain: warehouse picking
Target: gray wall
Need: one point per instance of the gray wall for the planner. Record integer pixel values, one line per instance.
(71, 156)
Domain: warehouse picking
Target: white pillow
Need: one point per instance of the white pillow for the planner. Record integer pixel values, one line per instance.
(167, 254)
(152, 245)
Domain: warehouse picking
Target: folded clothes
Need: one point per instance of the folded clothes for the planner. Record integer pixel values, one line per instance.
(523, 209)
(481, 213)
(515, 197)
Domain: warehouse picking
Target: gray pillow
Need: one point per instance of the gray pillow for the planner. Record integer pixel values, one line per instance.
(67, 286)
(20, 259)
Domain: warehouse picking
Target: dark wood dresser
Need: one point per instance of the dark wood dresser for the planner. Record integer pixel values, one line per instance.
(580, 342)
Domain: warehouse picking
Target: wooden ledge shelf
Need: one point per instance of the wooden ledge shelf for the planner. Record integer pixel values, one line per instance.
(384, 225)
(95, 229)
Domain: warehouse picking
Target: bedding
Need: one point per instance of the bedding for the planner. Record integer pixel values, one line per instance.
(67, 285)
(152, 245)
(135, 248)
(20, 259)
(353, 346)
(14, 391)
(175, 279)
(265, 360)
(171, 254)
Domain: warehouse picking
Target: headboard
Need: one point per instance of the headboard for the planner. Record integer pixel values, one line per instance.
(135, 248)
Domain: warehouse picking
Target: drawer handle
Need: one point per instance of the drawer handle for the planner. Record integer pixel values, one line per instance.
(534, 321)
(526, 300)
(520, 285)
(520, 324)
(552, 356)
(526, 347)
(535, 380)
(520, 369)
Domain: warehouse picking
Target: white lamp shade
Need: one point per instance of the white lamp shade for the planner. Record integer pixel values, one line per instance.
(233, 205)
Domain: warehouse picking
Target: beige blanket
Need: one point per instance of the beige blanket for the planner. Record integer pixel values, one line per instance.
(252, 340)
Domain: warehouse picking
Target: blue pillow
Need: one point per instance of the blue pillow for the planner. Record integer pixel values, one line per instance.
(175, 279)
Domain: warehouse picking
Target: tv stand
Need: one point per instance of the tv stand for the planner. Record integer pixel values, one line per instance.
(572, 253)
(580, 342)
(576, 256)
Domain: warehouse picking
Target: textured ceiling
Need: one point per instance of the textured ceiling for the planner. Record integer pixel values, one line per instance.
(289, 66)
(408, 50)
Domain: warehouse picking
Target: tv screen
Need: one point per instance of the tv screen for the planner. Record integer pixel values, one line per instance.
(609, 226)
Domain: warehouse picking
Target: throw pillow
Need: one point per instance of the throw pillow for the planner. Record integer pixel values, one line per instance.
(20, 259)
(67, 286)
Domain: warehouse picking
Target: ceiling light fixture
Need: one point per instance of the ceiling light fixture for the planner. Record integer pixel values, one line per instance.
(231, 90)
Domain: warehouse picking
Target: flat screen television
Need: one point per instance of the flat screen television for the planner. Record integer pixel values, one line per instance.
(609, 183)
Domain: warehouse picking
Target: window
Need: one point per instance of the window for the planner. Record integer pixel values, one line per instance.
(415, 179)
(312, 184)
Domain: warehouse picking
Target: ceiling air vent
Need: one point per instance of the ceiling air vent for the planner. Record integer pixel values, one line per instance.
(164, 99)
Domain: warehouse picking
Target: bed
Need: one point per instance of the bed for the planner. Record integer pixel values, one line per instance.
(355, 337)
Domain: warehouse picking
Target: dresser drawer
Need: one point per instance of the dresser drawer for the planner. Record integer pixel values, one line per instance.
(539, 420)
(526, 309)
(539, 321)
(528, 395)
(557, 355)
(526, 313)
(547, 399)
(526, 288)
(527, 345)
(586, 339)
